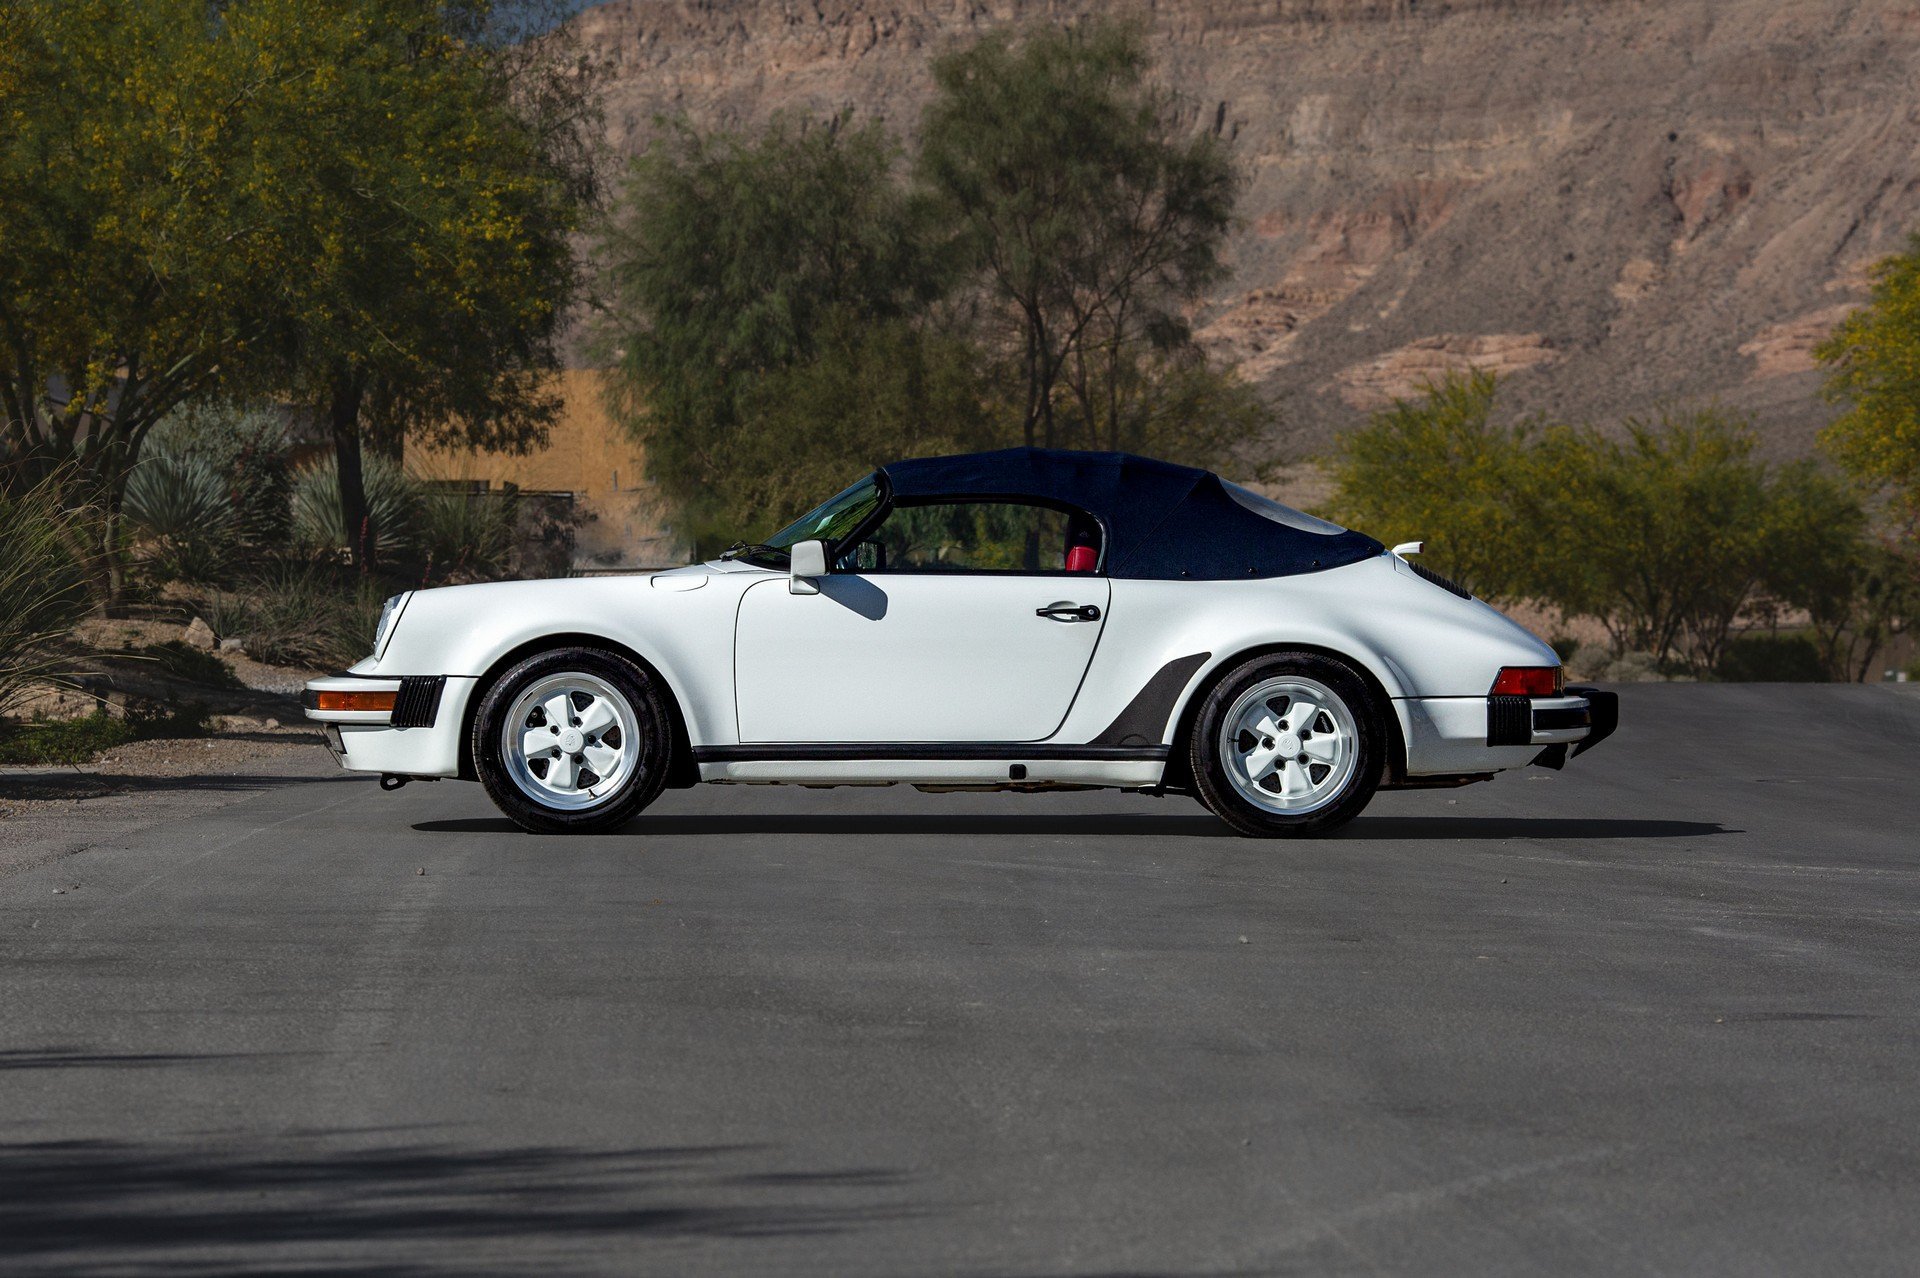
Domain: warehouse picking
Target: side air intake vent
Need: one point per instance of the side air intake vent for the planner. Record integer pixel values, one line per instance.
(418, 703)
(1440, 581)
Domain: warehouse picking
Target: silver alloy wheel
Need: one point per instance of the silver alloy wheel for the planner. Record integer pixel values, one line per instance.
(1289, 745)
(570, 741)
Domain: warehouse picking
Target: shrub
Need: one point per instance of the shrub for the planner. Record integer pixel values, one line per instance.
(64, 740)
(1772, 659)
(250, 449)
(230, 613)
(1668, 537)
(392, 503)
(73, 741)
(299, 615)
(184, 661)
(465, 534)
(178, 509)
(152, 720)
(43, 579)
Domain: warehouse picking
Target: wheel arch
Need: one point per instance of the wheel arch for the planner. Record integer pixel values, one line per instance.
(1179, 773)
(682, 771)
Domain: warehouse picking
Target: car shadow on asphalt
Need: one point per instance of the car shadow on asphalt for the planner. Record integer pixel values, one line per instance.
(245, 1205)
(1110, 824)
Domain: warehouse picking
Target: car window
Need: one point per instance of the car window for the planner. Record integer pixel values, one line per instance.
(987, 536)
(832, 520)
(1267, 508)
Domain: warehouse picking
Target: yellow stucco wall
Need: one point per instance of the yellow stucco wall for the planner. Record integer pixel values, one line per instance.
(622, 523)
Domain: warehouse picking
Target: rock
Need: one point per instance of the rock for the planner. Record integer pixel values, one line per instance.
(229, 645)
(200, 634)
(1547, 188)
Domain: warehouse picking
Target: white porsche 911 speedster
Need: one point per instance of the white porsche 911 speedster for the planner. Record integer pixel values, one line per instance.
(1017, 620)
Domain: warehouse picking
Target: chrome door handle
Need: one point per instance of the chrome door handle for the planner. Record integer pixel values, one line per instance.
(1069, 612)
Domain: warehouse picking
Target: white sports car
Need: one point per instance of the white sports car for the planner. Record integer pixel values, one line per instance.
(1016, 620)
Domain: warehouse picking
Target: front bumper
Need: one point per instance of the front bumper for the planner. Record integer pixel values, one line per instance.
(418, 737)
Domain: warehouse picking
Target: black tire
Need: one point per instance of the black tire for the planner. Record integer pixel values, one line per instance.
(641, 785)
(1210, 768)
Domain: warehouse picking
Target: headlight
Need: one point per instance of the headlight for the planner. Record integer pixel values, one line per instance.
(389, 613)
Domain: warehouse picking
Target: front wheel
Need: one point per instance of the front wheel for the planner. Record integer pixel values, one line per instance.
(1288, 744)
(571, 741)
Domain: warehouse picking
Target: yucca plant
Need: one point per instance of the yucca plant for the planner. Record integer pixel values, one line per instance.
(43, 579)
(466, 534)
(392, 502)
(182, 517)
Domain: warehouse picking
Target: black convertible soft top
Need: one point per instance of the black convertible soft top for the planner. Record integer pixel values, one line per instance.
(1162, 521)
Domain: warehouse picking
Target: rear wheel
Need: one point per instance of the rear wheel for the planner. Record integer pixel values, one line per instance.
(572, 740)
(1288, 744)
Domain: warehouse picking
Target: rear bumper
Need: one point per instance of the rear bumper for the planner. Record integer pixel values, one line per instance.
(1462, 735)
(1581, 715)
(419, 737)
(1602, 718)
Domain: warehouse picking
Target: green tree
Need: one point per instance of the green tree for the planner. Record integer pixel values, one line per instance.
(872, 394)
(732, 263)
(1669, 533)
(1858, 587)
(1093, 217)
(1440, 469)
(1874, 358)
(123, 257)
(1675, 525)
(425, 182)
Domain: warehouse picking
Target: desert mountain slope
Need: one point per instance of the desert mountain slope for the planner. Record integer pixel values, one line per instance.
(1624, 202)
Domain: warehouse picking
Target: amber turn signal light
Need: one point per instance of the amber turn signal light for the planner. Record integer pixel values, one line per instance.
(355, 701)
(1530, 681)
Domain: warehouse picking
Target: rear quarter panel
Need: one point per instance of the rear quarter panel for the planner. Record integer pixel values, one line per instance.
(1415, 638)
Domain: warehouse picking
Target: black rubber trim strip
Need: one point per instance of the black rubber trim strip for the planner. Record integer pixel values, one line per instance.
(1509, 721)
(969, 750)
(1144, 719)
(1605, 716)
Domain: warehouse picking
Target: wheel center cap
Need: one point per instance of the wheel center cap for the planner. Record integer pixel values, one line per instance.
(1289, 744)
(571, 740)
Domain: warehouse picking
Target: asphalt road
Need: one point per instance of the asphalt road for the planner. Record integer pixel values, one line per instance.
(1653, 1014)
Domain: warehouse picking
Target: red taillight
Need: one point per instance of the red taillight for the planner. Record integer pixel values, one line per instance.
(1530, 681)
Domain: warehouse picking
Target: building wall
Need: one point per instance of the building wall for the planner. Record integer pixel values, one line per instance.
(622, 523)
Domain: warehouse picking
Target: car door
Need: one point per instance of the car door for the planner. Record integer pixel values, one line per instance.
(933, 649)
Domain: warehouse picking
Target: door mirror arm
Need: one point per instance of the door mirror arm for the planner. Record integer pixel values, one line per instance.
(806, 560)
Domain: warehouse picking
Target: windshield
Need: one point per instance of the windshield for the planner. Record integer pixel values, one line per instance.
(831, 521)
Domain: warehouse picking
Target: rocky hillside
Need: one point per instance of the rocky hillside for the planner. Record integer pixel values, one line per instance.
(1622, 202)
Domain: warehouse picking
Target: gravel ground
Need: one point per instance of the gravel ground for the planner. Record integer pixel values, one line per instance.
(51, 812)
(260, 740)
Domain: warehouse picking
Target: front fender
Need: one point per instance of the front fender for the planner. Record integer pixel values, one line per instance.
(684, 631)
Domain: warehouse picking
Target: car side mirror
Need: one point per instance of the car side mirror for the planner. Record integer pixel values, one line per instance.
(805, 561)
